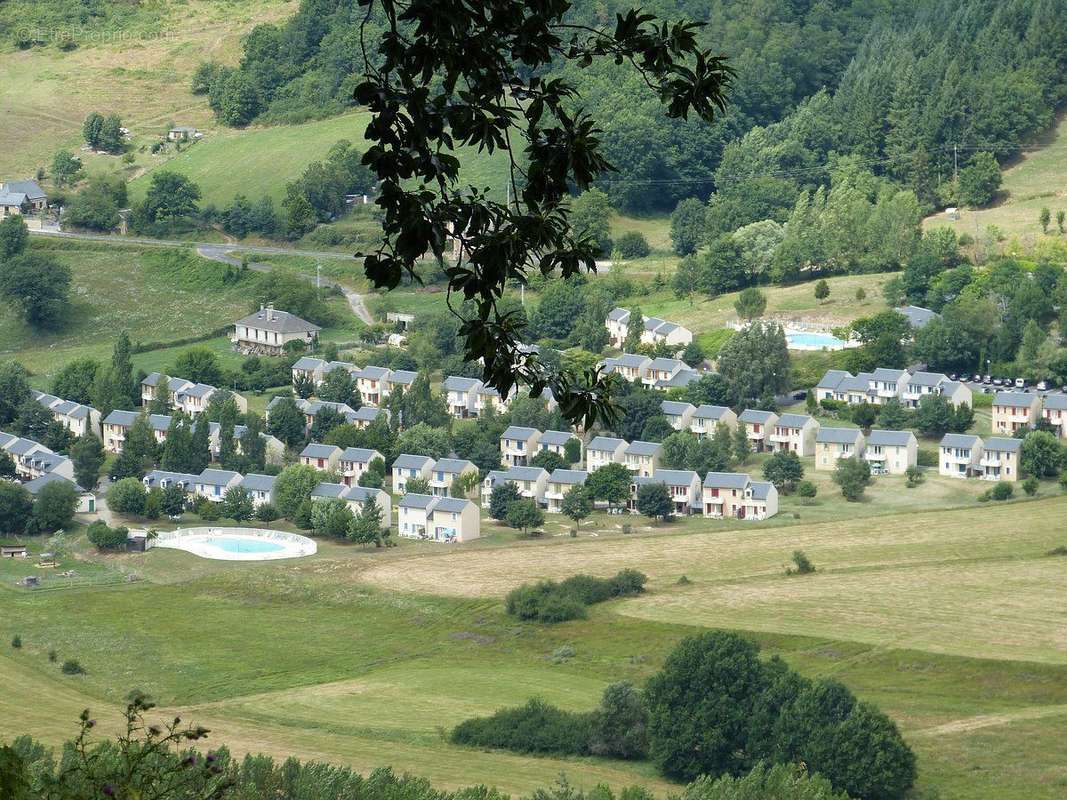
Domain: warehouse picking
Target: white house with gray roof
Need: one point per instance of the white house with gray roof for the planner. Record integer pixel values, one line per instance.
(683, 486)
(661, 371)
(706, 418)
(323, 457)
(678, 414)
(358, 496)
(758, 427)
(518, 445)
(1000, 459)
(832, 444)
(887, 384)
(530, 481)
(560, 482)
(734, 495)
(85, 500)
(1014, 410)
(214, 483)
(642, 458)
(354, 461)
(260, 488)
(828, 387)
(22, 197)
(269, 330)
(959, 455)
(891, 452)
(408, 466)
(462, 395)
(603, 450)
(363, 416)
(655, 330)
(794, 433)
(77, 418)
(630, 367)
(1054, 413)
(445, 471)
(438, 519)
(556, 442)
(162, 479)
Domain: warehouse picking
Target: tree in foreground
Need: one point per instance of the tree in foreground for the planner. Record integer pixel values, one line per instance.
(822, 289)
(366, 526)
(1041, 456)
(524, 515)
(609, 483)
(16, 505)
(54, 506)
(87, 455)
(38, 286)
(489, 92)
(853, 475)
(784, 470)
(293, 487)
(654, 501)
(750, 303)
(501, 498)
(765, 782)
(577, 504)
(237, 504)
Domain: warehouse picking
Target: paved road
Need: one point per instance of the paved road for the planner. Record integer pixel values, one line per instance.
(221, 252)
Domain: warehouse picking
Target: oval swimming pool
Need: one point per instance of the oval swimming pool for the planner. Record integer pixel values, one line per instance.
(813, 341)
(237, 544)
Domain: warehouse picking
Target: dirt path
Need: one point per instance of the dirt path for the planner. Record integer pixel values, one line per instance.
(969, 724)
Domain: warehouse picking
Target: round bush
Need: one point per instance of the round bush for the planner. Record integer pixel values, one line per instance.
(633, 244)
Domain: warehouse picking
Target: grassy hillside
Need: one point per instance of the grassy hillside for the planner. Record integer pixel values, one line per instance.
(1038, 179)
(356, 656)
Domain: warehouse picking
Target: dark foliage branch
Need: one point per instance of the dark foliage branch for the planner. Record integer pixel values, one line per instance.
(457, 73)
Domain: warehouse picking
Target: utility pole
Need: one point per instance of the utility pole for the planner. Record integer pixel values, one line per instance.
(955, 163)
(318, 280)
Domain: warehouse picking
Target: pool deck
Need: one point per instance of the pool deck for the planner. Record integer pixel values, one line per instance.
(198, 541)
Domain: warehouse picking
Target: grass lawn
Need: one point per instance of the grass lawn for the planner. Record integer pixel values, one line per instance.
(1036, 180)
(368, 657)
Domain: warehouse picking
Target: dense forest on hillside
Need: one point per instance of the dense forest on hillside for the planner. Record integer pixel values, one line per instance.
(66, 23)
(898, 83)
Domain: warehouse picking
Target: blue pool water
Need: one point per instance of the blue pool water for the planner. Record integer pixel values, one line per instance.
(814, 340)
(235, 545)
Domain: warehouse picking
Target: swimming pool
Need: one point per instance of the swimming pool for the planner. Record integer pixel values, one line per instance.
(799, 340)
(237, 544)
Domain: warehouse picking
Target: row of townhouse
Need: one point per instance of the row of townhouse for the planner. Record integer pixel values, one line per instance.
(116, 426)
(373, 383)
(360, 417)
(36, 466)
(438, 518)
(439, 474)
(182, 395)
(655, 331)
(721, 495)
(655, 373)
(888, 452)
(995, 458)
(1013, 411)
(641, 458)
(470, 397)
(350, 463)
(701, 420)
(77, 418)
(883, 385)
(518, 445)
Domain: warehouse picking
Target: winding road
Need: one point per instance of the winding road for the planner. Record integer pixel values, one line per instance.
(221, 253)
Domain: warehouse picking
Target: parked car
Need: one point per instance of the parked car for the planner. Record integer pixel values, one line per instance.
(1042, 386)
(998, 382)
(987, 379)
(964, 378)
(1020, 383)
(1064, 389)
(952, 377)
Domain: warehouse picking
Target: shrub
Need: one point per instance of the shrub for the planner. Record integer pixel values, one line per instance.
(807, 490)
(633, 244)
(72, 667)
(803, 565)
(16, 641)
(1057, 551)
(619, 728)
(1030, 486)
(914, 476)
(267, 513)
(52, 656)
(926, 458)
(105, 537)
(1002, 491)
(549, 602)
(127, 496)
(536, 727)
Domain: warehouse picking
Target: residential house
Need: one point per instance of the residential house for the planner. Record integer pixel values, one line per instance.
(887, 384)
(308, 368)
(438, 519)
(1014, 410)
(706, 419)
(323, 457)
(560, 482)
(794, 433)
(86, 501)
(1055, 413)
(358, 496)
(678, 414)
(406, 467)
(162, 479)
(832, 444)
(683, 485)
(857, 388)
(518, 445)
(532, 482)
(760, 501)
(354, 461)
(661, 331)
(18, 197)
(372, 383)
(182, 133)
(268, 331)
(75, 417)
(487, 397)
(400, 379)
(214, 483)
(918, 317)
(445, 471)
(957, 393)
(661, 370)
(829, 387)
(759, 425)
(959, 455)
(642, 458)
(363, 416)
(629, 366)
(194, 398)
(920, 384)
(260, 488)
(274, 450)
(1000, 459)
(556, 442)
(617, 322)
(723, 494)
(33, 460)
(891, 452)
(462, 396)
(115, 427)
(604, 450)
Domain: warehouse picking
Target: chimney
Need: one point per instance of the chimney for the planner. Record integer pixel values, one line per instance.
(261, 311)
(270, 311)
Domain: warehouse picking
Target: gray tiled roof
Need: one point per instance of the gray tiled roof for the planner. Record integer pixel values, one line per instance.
(316, 450)
(416, 500)
(706, 411)
(556, 438)
(157, 476)
(410, 461)
(793, 420)
(643, 448)
(31, 188)
(668, 364)
(360, 494)
(282, 322)
(757, 416)
(308, 363)
(604, 443)
(631, 360)
(926, 378)
(832, 379)
(1013, 399)
(360, 455)
(837, 435)
(374, 373)
(917, 316)
(369, 413)
(120, 417)
(453, 466)
(886, 374)
(618, 315)
(726, 480)
(455, 383)
(34, 486)
(569, 476)
(217, 477)
(518, 433)
(329, 490)
(525, 474)
(258, 483)
(761, 490)
(454, 505)
(675, 408)
(1056, 401)
(675, 477)
(959, 440)
(1003, 444)
(403, 377)
(890, 438)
